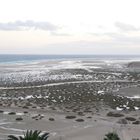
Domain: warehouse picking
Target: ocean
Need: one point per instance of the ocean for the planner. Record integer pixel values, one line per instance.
(8, 58)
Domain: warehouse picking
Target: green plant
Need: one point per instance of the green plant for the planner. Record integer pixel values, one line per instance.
(112, 136)
(30, 135)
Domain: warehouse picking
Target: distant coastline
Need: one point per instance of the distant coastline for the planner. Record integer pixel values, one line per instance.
(11, 58)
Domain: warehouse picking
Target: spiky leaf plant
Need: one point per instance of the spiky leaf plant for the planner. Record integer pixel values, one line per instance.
(30, 135)
(112, 136)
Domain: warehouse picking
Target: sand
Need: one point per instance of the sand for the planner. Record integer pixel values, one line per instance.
(68, 129)
(84, 102)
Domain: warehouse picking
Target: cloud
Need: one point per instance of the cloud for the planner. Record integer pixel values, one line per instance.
(126, 27)
(93, 47)
(27, 25)
(126, 39)
(60, 34)
(128, 35)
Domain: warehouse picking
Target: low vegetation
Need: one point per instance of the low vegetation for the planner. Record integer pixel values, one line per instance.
(30, 135)
(38, 135)
(112, 136)
(113, 114)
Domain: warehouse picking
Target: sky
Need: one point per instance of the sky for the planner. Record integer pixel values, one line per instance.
(69, 27)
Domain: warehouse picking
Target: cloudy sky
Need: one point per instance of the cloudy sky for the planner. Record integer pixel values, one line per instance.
(69, 26)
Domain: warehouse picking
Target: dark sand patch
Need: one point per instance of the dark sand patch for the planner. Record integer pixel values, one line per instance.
(135, 64)
(129, 92)
(122, 121)
(114, 114)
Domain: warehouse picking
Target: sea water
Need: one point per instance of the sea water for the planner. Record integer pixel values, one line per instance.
(15, 58)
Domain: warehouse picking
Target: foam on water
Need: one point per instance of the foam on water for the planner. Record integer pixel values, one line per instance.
(134, 97)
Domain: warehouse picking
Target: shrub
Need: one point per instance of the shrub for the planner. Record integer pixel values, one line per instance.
(130, 119)
(30, 135)
(79, 120)
(112, 136)
(19, 119)
(113, 114)
(70, 117)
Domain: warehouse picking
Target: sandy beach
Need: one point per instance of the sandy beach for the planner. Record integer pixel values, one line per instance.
(72, 100)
